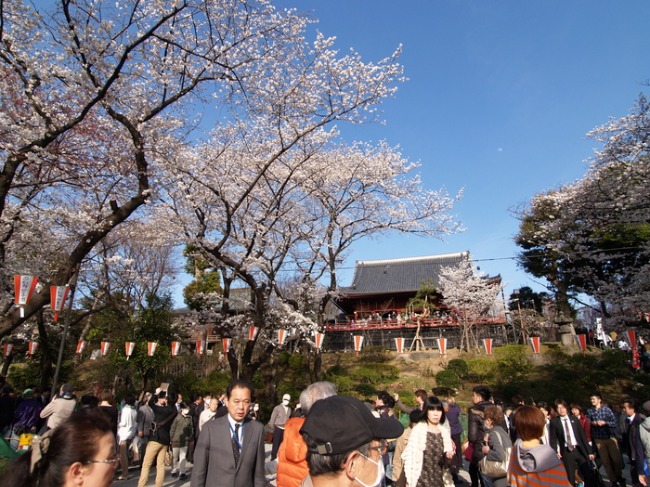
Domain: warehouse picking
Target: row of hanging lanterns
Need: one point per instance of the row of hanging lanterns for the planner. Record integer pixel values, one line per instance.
(26, 285)
(358, 340)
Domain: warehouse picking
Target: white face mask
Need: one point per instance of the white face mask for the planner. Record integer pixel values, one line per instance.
(285, 402)
(380, 473)
(185, 411)
(256, 408)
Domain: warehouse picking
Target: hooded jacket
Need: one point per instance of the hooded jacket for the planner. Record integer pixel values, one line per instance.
(292, 455)
(536, 466)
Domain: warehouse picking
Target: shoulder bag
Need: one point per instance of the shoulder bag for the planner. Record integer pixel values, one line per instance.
(155, 426)
(493, 468)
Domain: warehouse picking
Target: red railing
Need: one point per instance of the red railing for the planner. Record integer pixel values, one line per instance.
(400, 325)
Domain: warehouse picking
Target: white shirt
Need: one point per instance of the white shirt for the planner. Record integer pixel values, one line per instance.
(566, 423)
(232, 423)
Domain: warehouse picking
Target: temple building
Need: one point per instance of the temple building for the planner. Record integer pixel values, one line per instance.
(382, 291)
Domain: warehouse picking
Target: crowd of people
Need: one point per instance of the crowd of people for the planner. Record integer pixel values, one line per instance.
(326, 439)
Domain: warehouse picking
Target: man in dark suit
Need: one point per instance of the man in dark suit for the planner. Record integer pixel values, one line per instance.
(634, 445)
(567, 437)
(230, 449)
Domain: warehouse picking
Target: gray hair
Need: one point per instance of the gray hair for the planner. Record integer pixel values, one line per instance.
(314, 392)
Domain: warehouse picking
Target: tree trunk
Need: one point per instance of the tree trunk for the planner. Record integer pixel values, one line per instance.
(6, 364)
(47, 357)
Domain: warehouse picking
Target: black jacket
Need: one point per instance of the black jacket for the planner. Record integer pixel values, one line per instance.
(163, 417)
(557, 438)
(476, 429)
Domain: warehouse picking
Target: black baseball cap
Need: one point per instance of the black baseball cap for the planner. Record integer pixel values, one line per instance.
(339, 424)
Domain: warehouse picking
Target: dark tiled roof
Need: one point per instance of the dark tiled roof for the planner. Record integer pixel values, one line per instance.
(399, 275)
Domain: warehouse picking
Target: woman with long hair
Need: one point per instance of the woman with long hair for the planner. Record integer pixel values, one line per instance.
(531, 462)
(79, 452)
(429, 448)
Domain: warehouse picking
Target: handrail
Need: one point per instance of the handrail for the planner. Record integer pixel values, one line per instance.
(400, 325)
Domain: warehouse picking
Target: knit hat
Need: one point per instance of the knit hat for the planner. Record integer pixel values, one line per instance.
(339, 424)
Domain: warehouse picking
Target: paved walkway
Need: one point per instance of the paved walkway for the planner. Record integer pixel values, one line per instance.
(134, 475)
(170, 481)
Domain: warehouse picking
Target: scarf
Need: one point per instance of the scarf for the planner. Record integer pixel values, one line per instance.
(414, 452)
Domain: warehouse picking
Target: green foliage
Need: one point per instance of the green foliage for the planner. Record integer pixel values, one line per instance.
(25, 374)
(344, 385)
(282, 358)
(481, 369)
(297, 362)
(374, 374)
(365, 390)
(444, 391)
(616, 362)
(154, 322)
(448, 378)
(189, 384)
(337, 369)
(425, 297)
(207, 280)
(572, 377)
(513, 364)
(527, 298)
(459, 366)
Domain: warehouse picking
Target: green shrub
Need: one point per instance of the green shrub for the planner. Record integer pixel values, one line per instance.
(365, 390)
(615, 362)
(344, 385)
(337, 369)
(459, 366)
(372, 373)
(444, 391)
(366, 375)
(448, 378)
(297, 362)
(512, 364)
(481, 369)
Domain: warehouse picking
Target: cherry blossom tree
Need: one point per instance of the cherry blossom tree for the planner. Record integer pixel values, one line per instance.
(297, 219)
(97, 96)
(593, 236)
(471, 294)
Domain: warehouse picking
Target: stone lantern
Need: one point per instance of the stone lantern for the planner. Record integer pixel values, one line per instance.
(565, 328)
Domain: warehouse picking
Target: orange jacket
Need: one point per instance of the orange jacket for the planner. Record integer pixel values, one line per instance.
(292, 455)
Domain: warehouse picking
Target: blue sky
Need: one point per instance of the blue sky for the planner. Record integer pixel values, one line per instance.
(501, 94)
(499, 99)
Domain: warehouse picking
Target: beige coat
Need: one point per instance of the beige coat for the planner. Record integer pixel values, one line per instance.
(58, 411)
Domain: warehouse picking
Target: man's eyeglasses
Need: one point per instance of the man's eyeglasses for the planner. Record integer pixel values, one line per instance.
(382, 448)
